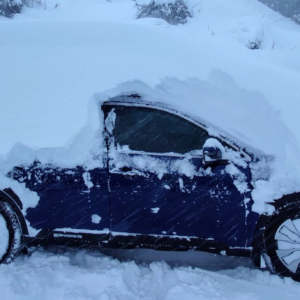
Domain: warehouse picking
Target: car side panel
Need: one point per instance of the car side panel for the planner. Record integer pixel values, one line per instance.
(69, 198)
(208, 205)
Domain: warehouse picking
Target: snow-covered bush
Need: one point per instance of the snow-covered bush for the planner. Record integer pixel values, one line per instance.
(45, 4)
(173, 11)
(10, 7)
(254, 45)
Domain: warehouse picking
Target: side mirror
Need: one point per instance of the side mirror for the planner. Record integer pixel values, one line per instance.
(212, 150)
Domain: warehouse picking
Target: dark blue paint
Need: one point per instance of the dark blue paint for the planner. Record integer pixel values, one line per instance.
(209, 206)
(65, 200)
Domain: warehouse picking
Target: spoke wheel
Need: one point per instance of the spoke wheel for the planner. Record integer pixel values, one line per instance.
(282, 242)
(10, 234)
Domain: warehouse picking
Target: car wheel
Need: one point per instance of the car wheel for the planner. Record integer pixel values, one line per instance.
(282, 241)
(10, 234)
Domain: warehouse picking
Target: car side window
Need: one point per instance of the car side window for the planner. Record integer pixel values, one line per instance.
(152, 130)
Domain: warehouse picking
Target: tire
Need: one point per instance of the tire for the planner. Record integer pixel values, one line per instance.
(282, 241)
(10, 234)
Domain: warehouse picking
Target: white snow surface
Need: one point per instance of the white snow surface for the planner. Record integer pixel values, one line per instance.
(57, 62)
(96, 219)
(81, 276)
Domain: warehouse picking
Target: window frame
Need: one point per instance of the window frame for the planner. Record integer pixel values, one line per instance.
(222, 139)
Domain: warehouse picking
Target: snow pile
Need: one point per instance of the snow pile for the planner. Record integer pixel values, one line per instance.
(85, 276)
(67, 54)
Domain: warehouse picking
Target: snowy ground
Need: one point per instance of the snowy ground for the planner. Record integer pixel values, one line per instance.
(53, 60)
(85, 276)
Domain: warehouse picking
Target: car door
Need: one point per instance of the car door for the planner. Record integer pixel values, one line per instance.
(70, 198)
(160, 185)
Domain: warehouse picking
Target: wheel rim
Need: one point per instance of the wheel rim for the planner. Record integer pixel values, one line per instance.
(288, 244)
(4, 237)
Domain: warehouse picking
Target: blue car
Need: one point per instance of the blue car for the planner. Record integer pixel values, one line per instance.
(163, 181)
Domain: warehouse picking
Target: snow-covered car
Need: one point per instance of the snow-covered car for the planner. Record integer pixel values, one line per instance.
(163, 180)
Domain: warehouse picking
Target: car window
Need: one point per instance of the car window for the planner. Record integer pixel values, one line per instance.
(151, 130)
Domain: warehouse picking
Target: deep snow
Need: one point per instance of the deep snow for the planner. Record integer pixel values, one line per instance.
(57, 60)
(54, 64)
(82, 275)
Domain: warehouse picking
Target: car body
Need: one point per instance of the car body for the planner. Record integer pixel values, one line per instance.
(163, 181)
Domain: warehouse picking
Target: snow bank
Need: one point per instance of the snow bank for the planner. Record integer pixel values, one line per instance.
(53, 61)
(85, 276)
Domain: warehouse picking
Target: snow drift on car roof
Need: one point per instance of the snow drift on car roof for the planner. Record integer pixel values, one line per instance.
(243, 116)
